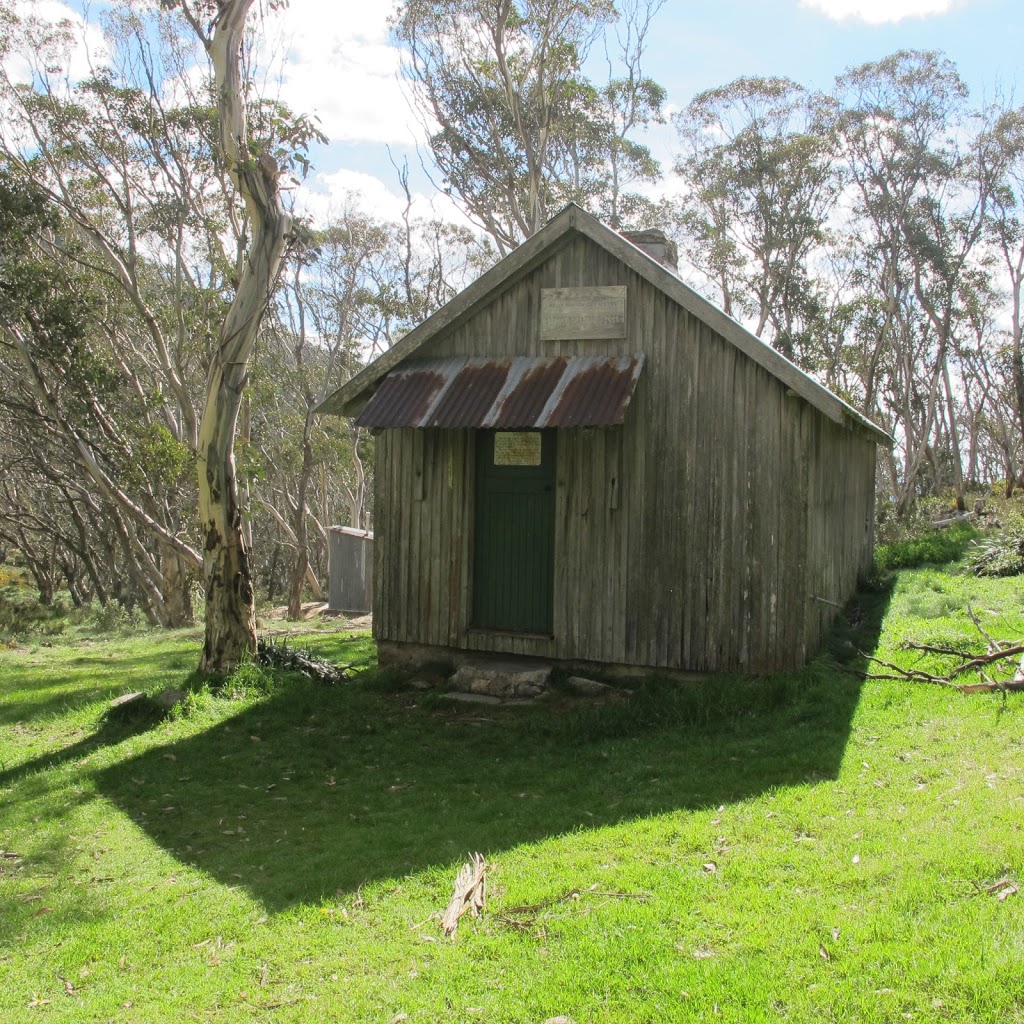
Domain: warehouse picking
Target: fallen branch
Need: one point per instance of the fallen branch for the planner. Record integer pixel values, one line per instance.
(913, 674)
(993, 686)
(993, 645)
(280, 655)
(955, 652)
(975, 661)
(997, 652)
(469, 893)
(1002, 889)
(917, 676)
(533, 908)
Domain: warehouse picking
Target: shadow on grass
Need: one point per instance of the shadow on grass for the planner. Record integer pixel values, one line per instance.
(317, 791)
(54, 687)
(116, 725)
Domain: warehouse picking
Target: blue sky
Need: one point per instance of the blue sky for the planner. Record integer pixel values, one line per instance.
(703, 45)
(341, 66)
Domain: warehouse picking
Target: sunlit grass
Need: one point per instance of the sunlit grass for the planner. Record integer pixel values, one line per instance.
(808, 847)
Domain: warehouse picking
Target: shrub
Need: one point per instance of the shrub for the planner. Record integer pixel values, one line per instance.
(1002, 555)
(936, 547)
(21, 612)
(892, 528)
(113, 617)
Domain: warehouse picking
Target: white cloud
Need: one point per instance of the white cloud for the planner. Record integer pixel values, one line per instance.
(325, 194)
(878, 12)
(87, 47)
(341, 66)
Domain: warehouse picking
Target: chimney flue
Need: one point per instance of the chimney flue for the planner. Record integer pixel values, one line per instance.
(657, 245)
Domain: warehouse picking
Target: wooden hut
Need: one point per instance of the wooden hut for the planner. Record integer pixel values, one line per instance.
(578, 458)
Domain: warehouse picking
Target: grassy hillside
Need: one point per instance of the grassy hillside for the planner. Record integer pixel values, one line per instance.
(804, 847)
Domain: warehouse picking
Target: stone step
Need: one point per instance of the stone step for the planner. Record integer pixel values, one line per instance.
(501, 679)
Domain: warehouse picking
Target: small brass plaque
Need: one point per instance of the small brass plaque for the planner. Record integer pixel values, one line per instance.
(574, 314)
(517, 448)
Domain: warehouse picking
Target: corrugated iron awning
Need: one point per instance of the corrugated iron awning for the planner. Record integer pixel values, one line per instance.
(515, 393)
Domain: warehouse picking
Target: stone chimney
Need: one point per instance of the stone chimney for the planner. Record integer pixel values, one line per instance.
(657, 245)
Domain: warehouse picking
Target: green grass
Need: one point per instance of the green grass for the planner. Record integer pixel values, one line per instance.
(808, 847)
(935, 547)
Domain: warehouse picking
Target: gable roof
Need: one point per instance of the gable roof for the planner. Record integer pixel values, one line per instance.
(572, 219)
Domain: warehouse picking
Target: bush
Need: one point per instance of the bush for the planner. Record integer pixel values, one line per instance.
(936, 547)
(21, 612)
(892, 528)
(113, 617)
(1000, 556)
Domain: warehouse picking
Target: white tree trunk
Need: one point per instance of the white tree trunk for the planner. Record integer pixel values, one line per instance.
(230, 604)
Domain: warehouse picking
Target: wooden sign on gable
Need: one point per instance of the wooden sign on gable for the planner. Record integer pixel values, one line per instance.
(580, 314)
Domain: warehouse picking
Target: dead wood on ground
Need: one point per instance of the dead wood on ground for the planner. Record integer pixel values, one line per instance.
(997, 653)
(470, 893)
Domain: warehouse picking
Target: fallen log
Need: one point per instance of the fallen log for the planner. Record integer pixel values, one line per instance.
(957, 517)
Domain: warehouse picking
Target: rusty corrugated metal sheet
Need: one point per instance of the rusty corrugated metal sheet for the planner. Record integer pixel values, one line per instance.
(470, 394)
(516, 393)
(404, 396)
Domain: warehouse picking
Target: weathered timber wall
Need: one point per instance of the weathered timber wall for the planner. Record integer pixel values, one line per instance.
(841, 504)
(717, 529)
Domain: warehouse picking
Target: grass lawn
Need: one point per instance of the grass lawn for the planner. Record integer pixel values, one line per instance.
(808, 847)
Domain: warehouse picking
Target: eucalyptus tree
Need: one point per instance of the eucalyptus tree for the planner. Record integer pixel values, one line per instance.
(1002, 163)
(127, 188)
(27, 524)
(515, 126)
(164, 169)
(918, 210)
(63, 530)
(82, 429)
(603, 160)
(759, 184)
(326, 310)
(990, 427)
(251, 164)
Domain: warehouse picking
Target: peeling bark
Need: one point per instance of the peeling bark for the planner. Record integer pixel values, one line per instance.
(230, 605)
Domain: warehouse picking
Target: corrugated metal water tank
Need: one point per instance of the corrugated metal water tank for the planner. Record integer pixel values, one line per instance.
(351, 570)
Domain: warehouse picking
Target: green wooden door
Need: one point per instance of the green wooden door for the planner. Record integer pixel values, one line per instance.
(514, 531)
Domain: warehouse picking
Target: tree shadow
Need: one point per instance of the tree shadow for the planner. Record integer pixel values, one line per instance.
(113, 729)
(53, 692)
(318, 791)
